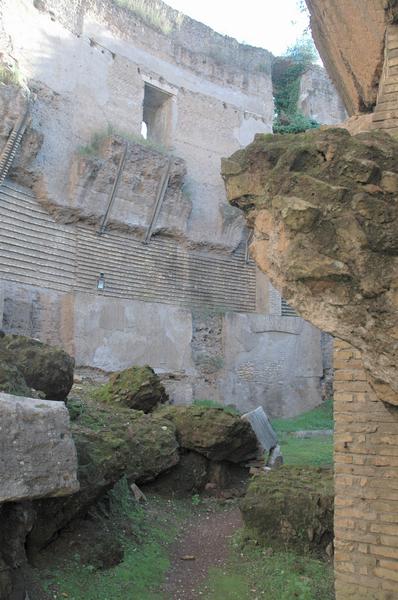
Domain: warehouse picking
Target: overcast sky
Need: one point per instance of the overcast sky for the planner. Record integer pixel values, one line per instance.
(270, 24)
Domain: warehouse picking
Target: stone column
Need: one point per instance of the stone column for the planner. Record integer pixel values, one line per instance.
(366, 485)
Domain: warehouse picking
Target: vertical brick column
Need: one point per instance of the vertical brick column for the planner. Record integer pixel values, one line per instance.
(366, 485)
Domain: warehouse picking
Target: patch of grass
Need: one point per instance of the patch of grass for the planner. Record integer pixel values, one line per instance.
(145, 561)
(315, 451)
(253, 573)
(94, 146)
(231, 410)
(320, 417)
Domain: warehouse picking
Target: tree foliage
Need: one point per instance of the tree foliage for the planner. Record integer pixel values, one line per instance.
(286, 75)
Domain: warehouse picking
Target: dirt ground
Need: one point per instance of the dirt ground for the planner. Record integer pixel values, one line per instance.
(203, 544)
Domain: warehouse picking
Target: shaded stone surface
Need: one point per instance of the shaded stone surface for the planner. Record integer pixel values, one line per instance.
(292, 507)
(324, 208)
(187, 477)
(45, 368)
(37, 453)
(212, 432)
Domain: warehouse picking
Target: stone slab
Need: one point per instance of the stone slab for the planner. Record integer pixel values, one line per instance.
(262, 428)
(37, 452)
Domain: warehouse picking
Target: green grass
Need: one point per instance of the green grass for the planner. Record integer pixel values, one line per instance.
(145, 561)
(320, 417)
(316, 451)
(253, 573)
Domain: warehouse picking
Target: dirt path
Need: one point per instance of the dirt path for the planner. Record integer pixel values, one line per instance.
(204, 543)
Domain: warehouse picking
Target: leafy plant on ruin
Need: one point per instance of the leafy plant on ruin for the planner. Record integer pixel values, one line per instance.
(286, 75)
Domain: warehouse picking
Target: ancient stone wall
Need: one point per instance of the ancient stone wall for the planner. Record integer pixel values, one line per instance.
(366, 484)
(48, 289)
(97, 72)
(319, 99)
(91, 65)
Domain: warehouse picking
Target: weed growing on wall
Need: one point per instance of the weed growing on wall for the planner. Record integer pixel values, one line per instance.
(94, 146)
(155, 15)
(10, 75)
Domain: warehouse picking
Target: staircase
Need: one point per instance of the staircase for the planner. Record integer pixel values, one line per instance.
(385, 115)
(10, 149)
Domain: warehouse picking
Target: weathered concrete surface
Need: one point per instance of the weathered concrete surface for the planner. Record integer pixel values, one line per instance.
(350, 38)
(112, 334)
(271, 361)
(37, 453)
(324, 208)
(318, 98)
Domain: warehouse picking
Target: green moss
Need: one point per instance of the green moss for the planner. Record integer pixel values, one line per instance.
(212, 432)
(213, 404)
(138, 388)
(291, 507)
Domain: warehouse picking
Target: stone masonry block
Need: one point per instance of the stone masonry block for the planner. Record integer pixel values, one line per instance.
(37, 452)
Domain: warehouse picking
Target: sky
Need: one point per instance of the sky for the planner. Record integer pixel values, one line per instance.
(270, 24)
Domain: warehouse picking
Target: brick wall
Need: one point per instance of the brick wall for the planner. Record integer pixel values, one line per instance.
(366, 480)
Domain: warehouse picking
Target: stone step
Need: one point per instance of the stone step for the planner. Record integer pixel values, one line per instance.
(387, 104)
(385, 115)
(390, 86)
(386, 124)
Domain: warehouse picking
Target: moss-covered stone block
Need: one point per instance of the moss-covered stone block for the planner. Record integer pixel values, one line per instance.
(44, 368)
(137, 387)
(213, 432)
(291, 507)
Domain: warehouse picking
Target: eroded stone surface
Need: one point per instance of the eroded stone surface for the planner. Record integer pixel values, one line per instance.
(350, 38)
(37, 453)
(324, 208)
